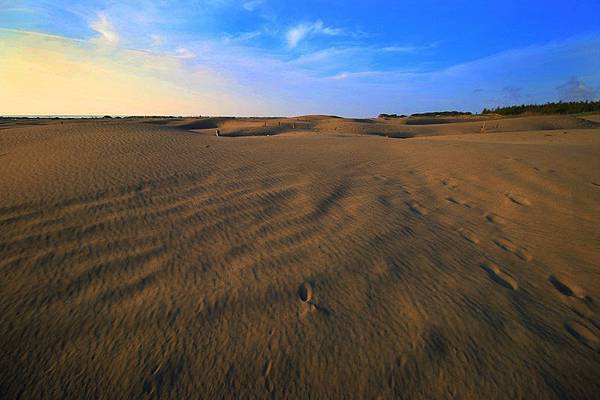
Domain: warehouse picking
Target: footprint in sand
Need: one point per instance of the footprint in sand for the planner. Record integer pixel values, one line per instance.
(384, 201)
(266, 372)
(585, 307)
(268, 367)
(499, 276)
(567, 288)
(495, 219)
(520, 200)
(507, 245)
(583, 334)
(306, 295)
(470, 236)
(417, 208)
(305, 292)
(449, 183)
(459, 201)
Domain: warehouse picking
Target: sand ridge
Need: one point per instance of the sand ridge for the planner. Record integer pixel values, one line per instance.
(143, 259)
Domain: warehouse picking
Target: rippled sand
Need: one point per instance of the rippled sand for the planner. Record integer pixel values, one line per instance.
(149, 258)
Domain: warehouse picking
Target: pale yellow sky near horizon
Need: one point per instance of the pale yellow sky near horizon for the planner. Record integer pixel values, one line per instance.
(44, 74)
(51, 75)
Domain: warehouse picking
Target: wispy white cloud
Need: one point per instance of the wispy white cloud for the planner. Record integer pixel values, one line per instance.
(360, 74)
(252, 5)
(156, 39)
(58, 80)
(301, 31)
(324, 56)
(108, 34)
(185, 53)
(246, 73)
(411, 48)
(574, 90)
(8, 9)
(39, 35)
(399, 49)
(241, 37)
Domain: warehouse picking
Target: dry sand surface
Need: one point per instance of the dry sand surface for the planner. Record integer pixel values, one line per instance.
(150, 258)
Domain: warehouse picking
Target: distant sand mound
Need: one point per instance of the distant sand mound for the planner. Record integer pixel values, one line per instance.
(149, 258)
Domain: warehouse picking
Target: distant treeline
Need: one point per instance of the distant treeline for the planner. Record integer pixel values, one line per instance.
(428, 114)
(441, 114)
(574, 107)
(391, 116)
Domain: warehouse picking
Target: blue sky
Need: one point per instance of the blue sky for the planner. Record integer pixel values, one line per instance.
(274, 57)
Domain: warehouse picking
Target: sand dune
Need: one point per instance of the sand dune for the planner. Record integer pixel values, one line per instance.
(396, 128)
(150, 258)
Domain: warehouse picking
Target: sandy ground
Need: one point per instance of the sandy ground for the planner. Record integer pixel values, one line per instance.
(150, 258)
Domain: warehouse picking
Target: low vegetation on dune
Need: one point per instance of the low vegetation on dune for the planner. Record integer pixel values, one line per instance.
(442, 114)
(574, 107)
(390, 116)
(428, 114)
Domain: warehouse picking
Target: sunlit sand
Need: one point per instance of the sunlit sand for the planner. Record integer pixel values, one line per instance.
(313, 257)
